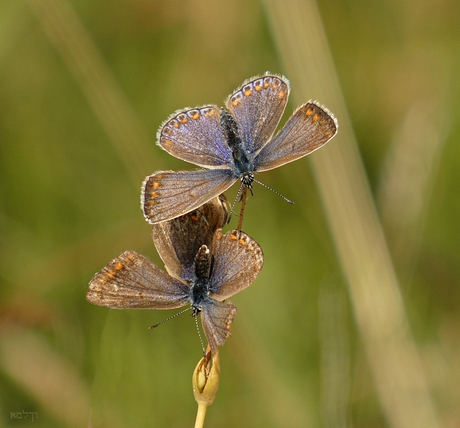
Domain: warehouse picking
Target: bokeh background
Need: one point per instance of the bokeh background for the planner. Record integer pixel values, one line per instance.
(84, 86)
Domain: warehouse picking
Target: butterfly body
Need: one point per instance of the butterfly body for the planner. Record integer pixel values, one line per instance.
(241, 163)
(200, 286)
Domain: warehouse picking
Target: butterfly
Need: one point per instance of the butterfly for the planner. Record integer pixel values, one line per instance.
(205, 268)
(232, 143)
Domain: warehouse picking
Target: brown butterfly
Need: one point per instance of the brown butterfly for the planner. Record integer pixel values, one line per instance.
(205, 268)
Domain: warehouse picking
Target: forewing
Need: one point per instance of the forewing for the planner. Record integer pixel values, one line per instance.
(195, 135)
(132, 281)
(257, 107)
(216, 318)
(310, 127)
(178, 241)
(238, 260)
(167, 194)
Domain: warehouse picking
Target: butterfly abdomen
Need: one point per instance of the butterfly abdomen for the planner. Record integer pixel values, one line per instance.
(233, 137)
(200, 286)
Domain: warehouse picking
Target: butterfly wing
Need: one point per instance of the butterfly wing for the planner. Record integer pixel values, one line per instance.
(216, 318)
(178, 241)
(195, 135)
(238, 260)
(216, 212)
(310, 127)
(257, 107)
(167, 194)
(132, 281)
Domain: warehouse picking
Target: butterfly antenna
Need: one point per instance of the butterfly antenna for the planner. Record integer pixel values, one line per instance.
(243, 206)
(195, 315)
(237, 199)
(169, 318)
(274, 191)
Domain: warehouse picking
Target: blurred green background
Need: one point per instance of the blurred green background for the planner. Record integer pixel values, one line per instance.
(84, 86)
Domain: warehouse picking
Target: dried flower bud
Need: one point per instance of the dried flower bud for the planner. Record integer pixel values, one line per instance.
(206, 378)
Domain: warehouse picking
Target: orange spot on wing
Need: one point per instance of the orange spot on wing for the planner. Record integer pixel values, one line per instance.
(184, 119)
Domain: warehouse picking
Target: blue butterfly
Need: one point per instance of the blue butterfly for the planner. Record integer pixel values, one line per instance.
(232, 143)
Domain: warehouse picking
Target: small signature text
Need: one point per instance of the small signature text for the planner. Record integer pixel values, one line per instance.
(24, 415)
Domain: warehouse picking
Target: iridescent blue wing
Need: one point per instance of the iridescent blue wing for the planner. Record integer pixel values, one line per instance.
(257, 107)
(132, 281)
(167, 194)
(310, 127)
(178, 241)
(238, 260)
(216, 318)
(195, 135)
